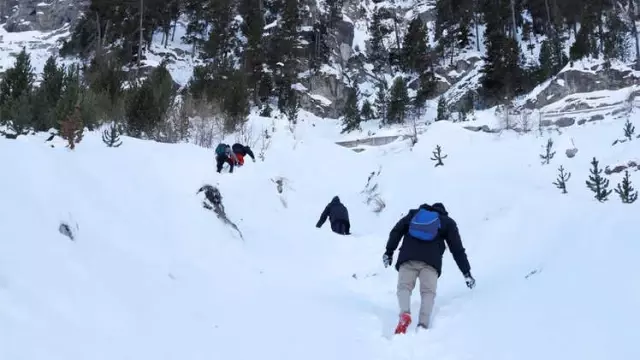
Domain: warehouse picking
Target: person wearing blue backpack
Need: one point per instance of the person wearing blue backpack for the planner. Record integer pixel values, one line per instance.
(224, 154)
(425, 233)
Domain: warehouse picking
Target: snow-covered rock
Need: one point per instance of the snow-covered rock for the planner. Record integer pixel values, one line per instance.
(39, 15)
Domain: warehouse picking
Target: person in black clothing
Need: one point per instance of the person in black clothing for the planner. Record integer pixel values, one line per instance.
(425, 233)
(227, 156)
(240, 152)
(338, 217)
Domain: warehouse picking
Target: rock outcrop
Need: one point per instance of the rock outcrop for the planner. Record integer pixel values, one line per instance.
(39, 15)
(583, 81)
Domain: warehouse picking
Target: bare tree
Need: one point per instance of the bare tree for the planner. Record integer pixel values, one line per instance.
(208, 131)
(413, 135)
(525, 121)
(140, 30)
(246, 136)
(265, 143)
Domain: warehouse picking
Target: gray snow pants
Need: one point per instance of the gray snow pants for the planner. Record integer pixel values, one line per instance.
(408, 273)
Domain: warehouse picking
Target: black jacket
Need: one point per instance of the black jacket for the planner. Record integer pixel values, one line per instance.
(335, 211)
(429, 252)
(242, 150)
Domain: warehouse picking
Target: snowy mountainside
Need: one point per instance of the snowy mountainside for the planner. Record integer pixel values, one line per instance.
(153, 274)
(457, 74)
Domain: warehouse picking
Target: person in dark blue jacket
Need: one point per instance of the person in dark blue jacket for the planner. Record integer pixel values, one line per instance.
(338, 217)
(425, 233)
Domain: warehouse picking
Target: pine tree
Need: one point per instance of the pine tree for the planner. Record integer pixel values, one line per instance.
(235, 103)
(111, 136)
(366, 111)
(598, 184)
(142, 115)
(252, 29)
(586, 42)
(222, 39)
(550, 64)
(425, 90)
(502, 73)
(69, 97)
(352, 119)
(548, 155)
(438, 157)
(382, 101)
(334, 9)
(414, 47)
(48, 95)
(629, 129)
(452, 26)
(377, 53)
(615, 45)
(293, 107)
(561, 181)
(626, 191)
(15, 93)
(318, 50)
(581, 46)
(71, 129)
(148, 104)
(442, 112)
(398, 102)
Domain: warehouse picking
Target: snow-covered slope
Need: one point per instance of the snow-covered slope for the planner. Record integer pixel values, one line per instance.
(151, 274)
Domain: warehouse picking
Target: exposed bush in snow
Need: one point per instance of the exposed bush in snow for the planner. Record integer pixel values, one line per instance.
(598, 184)
(561, 181)
(548, 154)
(111, 136)
(438, 156)
(626, 191)
(373, 197)
(67, 231)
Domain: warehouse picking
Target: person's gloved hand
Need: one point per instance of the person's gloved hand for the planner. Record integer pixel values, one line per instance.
(254, 160)
(387, 259)
(471, 282)
(318, 226)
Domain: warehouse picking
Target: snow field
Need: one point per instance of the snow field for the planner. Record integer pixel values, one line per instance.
(152, 274)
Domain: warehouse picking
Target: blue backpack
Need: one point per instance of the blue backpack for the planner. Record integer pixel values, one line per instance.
(221, 149)
(425, 225)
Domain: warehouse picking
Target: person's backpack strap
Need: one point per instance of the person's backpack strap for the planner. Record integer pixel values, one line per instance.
(425, 225)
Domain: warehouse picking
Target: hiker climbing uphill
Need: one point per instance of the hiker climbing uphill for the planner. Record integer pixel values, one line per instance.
(425, 233)
(240, 152)
(224, 154)
(338, 217)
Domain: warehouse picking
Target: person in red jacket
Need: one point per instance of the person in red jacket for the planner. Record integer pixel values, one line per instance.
(241, 151)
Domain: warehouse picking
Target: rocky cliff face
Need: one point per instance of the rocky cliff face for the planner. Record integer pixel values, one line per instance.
(39, 15)
(324, 91)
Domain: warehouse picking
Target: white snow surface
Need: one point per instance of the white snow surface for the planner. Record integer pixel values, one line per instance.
(153, 275)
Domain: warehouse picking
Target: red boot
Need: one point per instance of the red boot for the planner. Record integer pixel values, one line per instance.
(403, 324)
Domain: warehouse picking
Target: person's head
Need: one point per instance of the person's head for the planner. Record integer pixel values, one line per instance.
(335, 199)
(440, 207)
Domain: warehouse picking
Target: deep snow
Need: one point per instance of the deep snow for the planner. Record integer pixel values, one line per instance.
(153, 275)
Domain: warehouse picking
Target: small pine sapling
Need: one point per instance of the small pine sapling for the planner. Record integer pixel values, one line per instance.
(598, 184)
(561, 181)
(438, 157)
(111, 136)
(548, 155)
(626, 191)
(629, 130)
